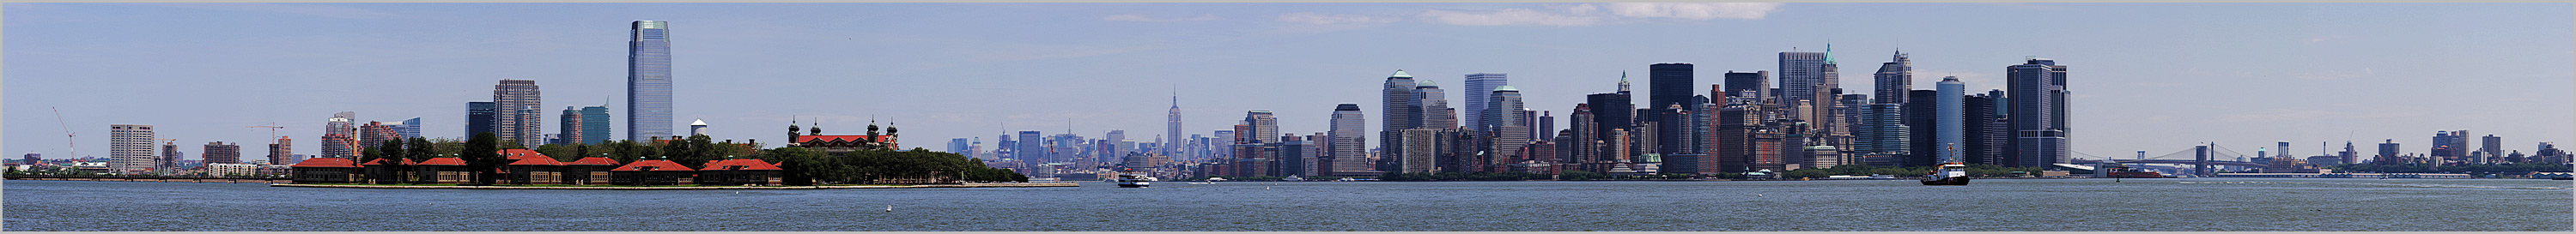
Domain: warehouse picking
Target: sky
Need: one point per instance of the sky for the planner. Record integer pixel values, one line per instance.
(2145, 77)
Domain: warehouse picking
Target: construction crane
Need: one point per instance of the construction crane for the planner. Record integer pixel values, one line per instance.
(69, 138)
(272, 130)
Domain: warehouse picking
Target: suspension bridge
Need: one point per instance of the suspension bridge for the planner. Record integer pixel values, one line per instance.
(2201, 158)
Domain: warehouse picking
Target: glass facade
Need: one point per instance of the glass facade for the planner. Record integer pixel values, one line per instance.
(648, 81)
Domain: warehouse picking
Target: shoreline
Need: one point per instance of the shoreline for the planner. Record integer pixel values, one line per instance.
(974, 185)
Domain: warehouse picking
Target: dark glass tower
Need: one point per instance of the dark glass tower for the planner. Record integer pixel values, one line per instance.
(648, 81)
(2037, 92)
(478, 118)
(1670, 86)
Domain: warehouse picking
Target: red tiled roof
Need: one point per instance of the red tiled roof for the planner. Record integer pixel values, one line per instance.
(327, 162)
(747, 164)
(593, 161)
(842, 138)
(443, 162)
(659, 165)
(538, 160)
(516, 154)
(380, 162)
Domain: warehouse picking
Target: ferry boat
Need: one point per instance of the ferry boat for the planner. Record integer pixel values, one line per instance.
(1132, 179)
(2120, 171)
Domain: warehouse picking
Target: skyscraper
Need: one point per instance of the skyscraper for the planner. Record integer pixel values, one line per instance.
(1265, 128)
(1753, 85)
(129, 147)
(958, 146)
(1948, 117)
(409, 129)
(1397, 103)
(595, 126)
(478, 118)
(375, 134)
(1800, 73)
(1669, 85)
(1921, 115)
(2493, 146)
(1172, 130)
(340, 136)
(573, 127)
(1434, 103)
(1478, 100)
(282, 150)
(2038, 96)
(1894, 78)
(1349, 147)
(516, 119)
(218, 152)
(648, 81)
(1031, 150)
(1510, 129)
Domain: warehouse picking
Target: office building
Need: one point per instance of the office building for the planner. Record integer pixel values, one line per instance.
(2038, 95)
(1479, 100)
(1509, 127)
(1172, 129)
(1421, 153)
(1894, 78)
(515, 120)
(1949, 119)
(1031, 149)
(1748, 85)
(478, 118)
(595, 127)
(1401, 114)
(1669, 87)
(959, 146)
(409, 129)
(573, 127)
(1434, 103)
(648, 81)
(1348, 144)
(1801, 73)
(129, 148)
(375, 134)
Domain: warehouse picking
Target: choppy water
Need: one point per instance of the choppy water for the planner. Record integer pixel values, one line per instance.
(2201, 204)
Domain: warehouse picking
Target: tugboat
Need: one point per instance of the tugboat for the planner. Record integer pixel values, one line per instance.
(1131, 179)
(1952, 172)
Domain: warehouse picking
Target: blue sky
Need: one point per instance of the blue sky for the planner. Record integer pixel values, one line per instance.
(2151, 77)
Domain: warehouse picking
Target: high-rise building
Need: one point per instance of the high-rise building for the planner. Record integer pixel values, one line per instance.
(1750, 85)
(169, 160)
(1986, 127)
(1421, 151)
(1948, 117)
(573, 127)
(1669, 87)
(958, 146)
(1265, 128)
(129, 147)
(516, 121)
(340, 136)
(1348, 146)
(1894, 78)
(1546, 130)
(1510, 129)
(1479, 100)
(1172, 129)
(220, 152)
(1610, 111)
(2387, 153)
(1031, 149)
(1119, 145)
(409, 129)
(32, 159)
(1401, 114)
(595, 126)
(2038, 95)
(2493, 146)
(648, 81)
(478, 118)
(282, 150)
(375, 134)
(1583, 143)
(1434, 103)
(1923, 147)
(1801, 73)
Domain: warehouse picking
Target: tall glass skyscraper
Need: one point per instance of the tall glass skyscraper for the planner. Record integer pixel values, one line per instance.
(1478, 98)
(410, 128)
(648, 81)
(594, 128)
(2037, 92)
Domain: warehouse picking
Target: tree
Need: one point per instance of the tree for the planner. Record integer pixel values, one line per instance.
(420, 149)
(560, 152)
(482, 156)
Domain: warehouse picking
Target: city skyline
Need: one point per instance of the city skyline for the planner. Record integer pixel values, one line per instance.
(2126, 99)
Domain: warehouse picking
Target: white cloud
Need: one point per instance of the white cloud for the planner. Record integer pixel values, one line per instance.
(1143, 18)
(1321, 18)
(1696, 11)
(1514, 16)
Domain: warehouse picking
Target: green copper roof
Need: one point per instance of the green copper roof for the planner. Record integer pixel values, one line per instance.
(1422, 82)
(1400, 73)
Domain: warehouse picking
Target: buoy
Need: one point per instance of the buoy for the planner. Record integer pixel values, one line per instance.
(889, 208)
(1757, 195)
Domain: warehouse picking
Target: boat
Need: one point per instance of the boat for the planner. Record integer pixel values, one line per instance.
(1132, 179)
(1953, 173)
(2122, 171)
(1293, 178)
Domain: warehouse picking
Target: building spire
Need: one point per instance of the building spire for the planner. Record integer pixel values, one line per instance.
(1623, 81)
(1829, 51)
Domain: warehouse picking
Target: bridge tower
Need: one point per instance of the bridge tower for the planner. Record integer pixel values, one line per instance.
(2200, 154)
